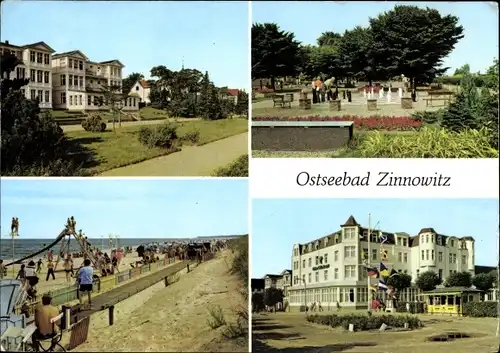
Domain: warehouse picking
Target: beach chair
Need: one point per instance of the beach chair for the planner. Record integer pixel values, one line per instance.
(54, 339)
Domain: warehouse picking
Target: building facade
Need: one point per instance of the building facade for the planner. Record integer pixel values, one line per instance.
(331, 269)
(142, 89)
(35, 65)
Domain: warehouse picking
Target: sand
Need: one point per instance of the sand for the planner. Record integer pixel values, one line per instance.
(172, 318)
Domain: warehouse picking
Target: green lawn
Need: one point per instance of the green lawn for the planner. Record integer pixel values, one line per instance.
(108, 150)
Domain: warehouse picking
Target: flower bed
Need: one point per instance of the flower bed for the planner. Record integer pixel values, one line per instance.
(389, 123)
(365, 322)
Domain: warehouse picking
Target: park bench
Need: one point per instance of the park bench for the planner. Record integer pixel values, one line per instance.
(278, 100)
(287, 100)
(444, 96)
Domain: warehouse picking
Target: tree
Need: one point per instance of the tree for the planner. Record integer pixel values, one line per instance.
(113, 100)
(413, 41)
(258, 301)
(428, 281)
(209, 104)
(399, 281)
(462, 70)
(32, 143)
(459, 279)
(129, 81)
(483, 281)
(329, 39)
(275, 53)
(321, 61)
(242, 103)
(273, 296)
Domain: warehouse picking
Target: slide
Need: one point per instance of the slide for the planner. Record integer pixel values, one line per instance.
(58, 239)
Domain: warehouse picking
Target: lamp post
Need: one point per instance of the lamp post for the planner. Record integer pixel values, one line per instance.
(305, 295)
(119, 107)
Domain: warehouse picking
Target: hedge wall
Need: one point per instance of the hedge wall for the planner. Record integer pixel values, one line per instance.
(480, 309)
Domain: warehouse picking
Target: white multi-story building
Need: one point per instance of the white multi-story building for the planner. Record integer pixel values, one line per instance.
(330, 269)
(35, 65)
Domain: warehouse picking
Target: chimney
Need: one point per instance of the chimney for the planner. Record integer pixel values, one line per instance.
(7, 42)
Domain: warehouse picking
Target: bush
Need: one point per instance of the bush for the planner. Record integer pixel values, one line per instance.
(365, 322)
(94, 123)
(238, 168)
(163, 136)
(415, 308)
(428, 143)
(428, 117)
(480, 309)
(192, 136)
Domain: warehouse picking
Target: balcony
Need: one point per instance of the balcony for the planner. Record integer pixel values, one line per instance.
(93, 73)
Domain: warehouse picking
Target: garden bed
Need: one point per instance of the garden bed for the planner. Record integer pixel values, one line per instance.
(365, 322)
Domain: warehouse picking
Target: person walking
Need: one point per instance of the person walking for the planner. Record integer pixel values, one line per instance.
(50, 270)
(39, 266)
(85, 281)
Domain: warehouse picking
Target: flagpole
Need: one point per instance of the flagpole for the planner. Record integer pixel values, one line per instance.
(13, 256)
(368, 284)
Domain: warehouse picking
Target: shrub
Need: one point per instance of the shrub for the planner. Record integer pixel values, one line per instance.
(428, 117)
(428, 143)
(192, 136)
(163, 136)
(365, 322)
(415, 308)
(480, 309)
(399, 123)
(238, 168)
(94, 123)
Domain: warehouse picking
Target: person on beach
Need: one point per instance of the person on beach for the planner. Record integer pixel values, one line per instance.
(39, 266)
(85, 281)
(3, 269)
(21, 274)
(50, 255)
(43, 314)
(50, 270)
(67, 268)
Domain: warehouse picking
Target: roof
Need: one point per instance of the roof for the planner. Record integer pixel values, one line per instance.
(257, 283)
(273, 276)
(453, 290)
(4, 44)
(114, 61)
(232, 92)
(351, 222)
(47, 47)
(133, 94)
(144, 83)
(484, 269)
(70, 53)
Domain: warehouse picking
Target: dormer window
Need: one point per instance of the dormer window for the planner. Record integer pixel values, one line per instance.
(316, 246)
(439, 241)
(452, 243)
(325, 241)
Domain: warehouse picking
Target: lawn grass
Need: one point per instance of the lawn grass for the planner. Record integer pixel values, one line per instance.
(108, 150)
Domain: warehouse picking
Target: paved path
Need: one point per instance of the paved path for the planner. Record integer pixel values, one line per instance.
(191, 161)
(68, 128)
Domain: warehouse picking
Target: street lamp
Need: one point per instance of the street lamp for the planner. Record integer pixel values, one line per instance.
(119, 107)
(305, 295)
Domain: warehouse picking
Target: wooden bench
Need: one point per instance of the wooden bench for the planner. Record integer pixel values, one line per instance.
(278, 100)
(438, 96)
(287, 100)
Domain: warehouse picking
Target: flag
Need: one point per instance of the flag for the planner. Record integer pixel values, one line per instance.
(372, 272)
(384, 271)
(383, 254)
(382, 238)
(393, 272)
(373, 288)
(382, 285)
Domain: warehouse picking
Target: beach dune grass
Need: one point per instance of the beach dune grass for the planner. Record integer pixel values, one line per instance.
(108, 150)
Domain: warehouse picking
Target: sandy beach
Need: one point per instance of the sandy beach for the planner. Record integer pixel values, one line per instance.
(172, 318)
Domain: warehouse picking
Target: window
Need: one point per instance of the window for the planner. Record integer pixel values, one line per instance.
(373, 237)
(336, 255)
(63, 97)
(75, 64)
(350, 233)
(40, 95)
(70, 61)
(432, 255)
(349, 271)
(137, 88)
(418, 273)
(46, 59)
(438, 241)
(464, 259)
(374, 254)
(325, 275)
(63, 80)
(134, 102)
(452, 243)
(427, 254)
(81, 81)
(70, 100)
(440, 256)
(316, 260)
(303, 263)
(454, 258)
(32, 56)
(316, 276)
(80, 103)
(39, 58)
(89, 102)
(450, 259)
(309, 277)
(309, 262)
(46, 77)
(405, 257)
(336, 273)
(91, 82)
(39, 76)
(440, 274)
(325, 258)
(80, 65)
(349, 251)
(405, 242)
(70, 80)
(33, 75)
(400, 256)
(33, 94)
(21, 72)
(427, 238)
(423, 255)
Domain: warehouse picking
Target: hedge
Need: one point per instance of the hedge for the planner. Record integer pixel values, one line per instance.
(480, 309)
(365, 322)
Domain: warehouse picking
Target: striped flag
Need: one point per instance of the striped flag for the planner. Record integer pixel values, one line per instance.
(382, 286)
(384, 271)
(372, 272)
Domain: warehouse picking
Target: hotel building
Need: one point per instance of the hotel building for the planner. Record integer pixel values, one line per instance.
(330, 269)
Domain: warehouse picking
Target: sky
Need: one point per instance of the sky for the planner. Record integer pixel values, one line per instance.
(211, 36)
(278, 224)
(138, 208)
(478, 48)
